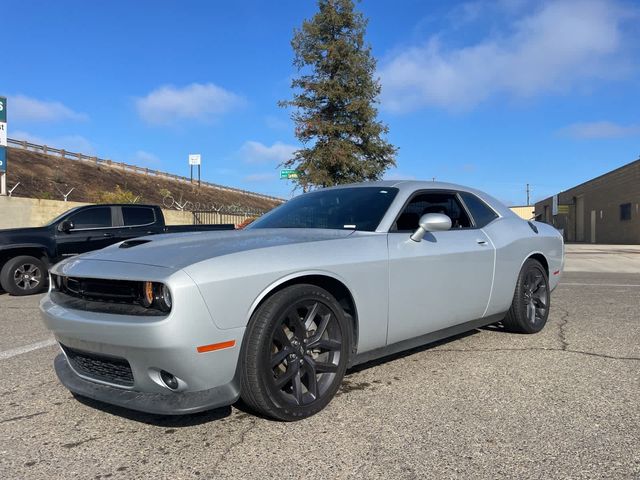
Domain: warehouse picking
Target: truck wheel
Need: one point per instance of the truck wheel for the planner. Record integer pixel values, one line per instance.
(23, 275)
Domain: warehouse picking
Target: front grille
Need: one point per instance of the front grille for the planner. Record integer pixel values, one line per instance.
(100, 367)
(114, 291)
(119, 297)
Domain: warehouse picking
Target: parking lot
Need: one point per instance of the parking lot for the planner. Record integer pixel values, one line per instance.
(560, 404)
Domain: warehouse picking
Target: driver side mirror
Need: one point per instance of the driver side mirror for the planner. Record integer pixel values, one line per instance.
(431, 222)
(66, 226)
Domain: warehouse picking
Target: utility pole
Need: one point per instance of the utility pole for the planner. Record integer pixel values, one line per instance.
(528, 191)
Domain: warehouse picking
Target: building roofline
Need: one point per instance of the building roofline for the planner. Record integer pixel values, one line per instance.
(591, 180)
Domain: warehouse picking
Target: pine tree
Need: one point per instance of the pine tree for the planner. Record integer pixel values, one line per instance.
(334, 101)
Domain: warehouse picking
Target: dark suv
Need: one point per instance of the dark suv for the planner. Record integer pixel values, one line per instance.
(26, 253)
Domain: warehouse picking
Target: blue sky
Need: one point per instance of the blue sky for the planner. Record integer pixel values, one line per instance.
(493, 94)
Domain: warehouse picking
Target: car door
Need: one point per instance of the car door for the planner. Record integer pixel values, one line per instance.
(443, 280)
(136, 221)
(93, 228)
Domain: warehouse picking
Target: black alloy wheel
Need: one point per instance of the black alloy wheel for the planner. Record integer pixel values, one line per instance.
(305, 352)
(536, 296)
(295, 353)
(531, 301)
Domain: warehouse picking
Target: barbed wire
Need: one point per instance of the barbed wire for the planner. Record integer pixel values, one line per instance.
(171, 203)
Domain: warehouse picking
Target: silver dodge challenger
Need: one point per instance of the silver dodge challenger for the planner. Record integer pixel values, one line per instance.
(275, 314)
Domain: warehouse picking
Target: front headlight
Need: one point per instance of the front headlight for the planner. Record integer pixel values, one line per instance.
(156, 295)
(165, 298)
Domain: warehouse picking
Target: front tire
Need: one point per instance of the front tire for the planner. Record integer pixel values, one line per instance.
(531, 301)
(295, 353)
(23, 275)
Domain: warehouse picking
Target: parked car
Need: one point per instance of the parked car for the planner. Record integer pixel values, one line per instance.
(26, 253)
(277, 312)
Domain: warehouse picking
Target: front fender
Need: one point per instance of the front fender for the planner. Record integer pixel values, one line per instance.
(292, 276)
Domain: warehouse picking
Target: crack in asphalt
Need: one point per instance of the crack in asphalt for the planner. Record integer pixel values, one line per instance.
(22, 417)
(531, 349)
(225, 453)
(76, 444)
(562, 336)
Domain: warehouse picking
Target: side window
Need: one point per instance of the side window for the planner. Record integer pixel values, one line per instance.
(138, 216)
(98, 217)
(446, 203)
(480, 211)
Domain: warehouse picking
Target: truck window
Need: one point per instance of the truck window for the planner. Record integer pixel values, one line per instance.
(138, 216)
(97, 217)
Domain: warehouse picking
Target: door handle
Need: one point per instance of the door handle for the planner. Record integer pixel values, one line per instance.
(107, 235)
(481, 242)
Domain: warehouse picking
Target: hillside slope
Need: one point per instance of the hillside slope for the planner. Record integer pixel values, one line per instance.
(40, 174)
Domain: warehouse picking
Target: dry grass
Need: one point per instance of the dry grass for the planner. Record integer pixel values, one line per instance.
(40, 174)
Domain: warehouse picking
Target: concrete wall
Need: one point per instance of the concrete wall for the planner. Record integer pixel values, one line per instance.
(599, 200)
(16, 212)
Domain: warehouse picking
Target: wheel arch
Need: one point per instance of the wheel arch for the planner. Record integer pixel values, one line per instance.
(36, 251)
(335, 285)
(539, 256)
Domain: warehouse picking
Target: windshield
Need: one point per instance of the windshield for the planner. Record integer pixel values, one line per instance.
(352, 208)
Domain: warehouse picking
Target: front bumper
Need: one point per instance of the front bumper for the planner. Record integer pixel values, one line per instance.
(171, 403)
(149, 345)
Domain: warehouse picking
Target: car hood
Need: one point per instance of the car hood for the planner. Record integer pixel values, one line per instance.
(18, 235)
(179, 250)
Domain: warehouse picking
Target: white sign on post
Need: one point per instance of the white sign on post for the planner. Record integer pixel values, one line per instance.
(194, 159)
(3, 134)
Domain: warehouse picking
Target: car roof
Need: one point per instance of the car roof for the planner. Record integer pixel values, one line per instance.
(409, 185)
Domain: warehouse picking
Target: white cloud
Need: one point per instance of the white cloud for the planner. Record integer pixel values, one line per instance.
(27, 109)
(601, 129)
(553, 48)
(71, 143)
(145, 158)
(256, 152)
(197, 101)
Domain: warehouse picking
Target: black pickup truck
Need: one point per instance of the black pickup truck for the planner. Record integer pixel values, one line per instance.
(26, 253)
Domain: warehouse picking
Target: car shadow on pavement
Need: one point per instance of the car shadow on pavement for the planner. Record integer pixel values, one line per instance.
(176, 421)
(407, 353)
(189, 420)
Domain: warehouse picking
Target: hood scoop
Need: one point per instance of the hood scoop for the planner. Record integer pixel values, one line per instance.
(133, 243)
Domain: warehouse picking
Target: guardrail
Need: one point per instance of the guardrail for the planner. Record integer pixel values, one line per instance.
(125, 167)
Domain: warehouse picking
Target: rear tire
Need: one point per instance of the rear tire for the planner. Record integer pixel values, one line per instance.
(24, 275)
(295, 353)
(531, 301)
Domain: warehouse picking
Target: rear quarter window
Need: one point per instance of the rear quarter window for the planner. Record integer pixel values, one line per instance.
(133, 216)
(482, 213)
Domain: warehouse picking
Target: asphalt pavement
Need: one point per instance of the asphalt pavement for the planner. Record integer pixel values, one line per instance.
(488, 404)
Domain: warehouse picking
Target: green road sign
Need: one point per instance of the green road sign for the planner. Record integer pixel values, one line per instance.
(289, 174)
(3, 109)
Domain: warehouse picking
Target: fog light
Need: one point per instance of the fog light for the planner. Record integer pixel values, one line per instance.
(169, 380)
